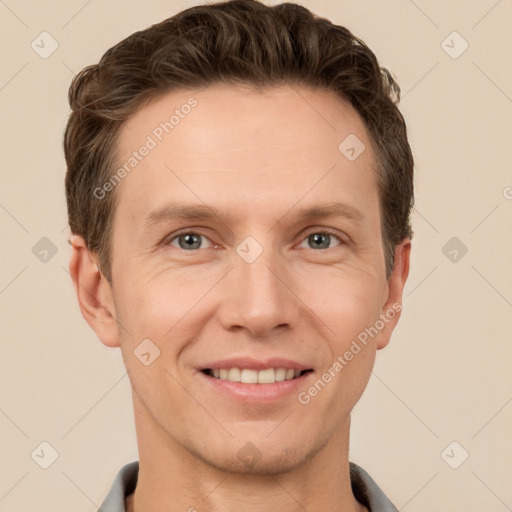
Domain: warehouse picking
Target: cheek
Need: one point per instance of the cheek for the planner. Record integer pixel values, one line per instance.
(163, 307)
(160, 319)
(351, 309)
(346, 303)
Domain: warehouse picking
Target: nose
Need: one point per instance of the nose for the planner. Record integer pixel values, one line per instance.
(258, 297)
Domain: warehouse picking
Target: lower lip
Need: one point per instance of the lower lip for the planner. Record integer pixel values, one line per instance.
(257, 393)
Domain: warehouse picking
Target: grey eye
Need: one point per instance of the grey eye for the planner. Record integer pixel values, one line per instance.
(320, 240)
(189, 241)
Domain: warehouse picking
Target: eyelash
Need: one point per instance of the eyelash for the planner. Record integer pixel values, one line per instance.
(168, 241)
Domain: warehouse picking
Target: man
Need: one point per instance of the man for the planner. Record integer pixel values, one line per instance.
(239, 188)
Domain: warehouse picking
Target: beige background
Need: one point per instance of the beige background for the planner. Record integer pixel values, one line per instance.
(446, 374)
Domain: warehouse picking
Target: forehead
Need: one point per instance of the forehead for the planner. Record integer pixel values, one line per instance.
(234, 143)
(233, 113)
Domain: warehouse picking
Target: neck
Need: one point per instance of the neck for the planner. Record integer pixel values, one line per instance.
(171, 478)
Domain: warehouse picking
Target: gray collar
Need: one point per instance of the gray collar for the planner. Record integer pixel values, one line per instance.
(365, 490)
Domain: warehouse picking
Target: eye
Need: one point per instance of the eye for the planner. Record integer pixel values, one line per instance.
(190, 241)
(321, 240)
(187, 241)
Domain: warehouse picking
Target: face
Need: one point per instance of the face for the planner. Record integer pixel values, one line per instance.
(245, 238)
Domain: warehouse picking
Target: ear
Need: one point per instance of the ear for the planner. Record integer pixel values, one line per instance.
(94, 293)
(392, 306)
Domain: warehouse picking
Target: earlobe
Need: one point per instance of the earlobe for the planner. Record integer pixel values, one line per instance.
(392, 306)
(94, 293)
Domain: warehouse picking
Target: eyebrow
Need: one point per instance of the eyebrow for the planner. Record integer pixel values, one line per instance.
(203, 212)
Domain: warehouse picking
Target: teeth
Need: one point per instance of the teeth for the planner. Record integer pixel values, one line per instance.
(280, 374)
(234, 374)
(249, 376)
(267, 376)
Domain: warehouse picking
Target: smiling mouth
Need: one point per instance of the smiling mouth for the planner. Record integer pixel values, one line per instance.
(250, 376)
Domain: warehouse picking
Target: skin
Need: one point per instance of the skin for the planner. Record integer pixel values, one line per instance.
(258, 157)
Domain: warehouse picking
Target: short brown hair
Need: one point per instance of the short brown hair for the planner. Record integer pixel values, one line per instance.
(234, 42)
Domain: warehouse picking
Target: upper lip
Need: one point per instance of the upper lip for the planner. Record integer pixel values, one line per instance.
(255, 364)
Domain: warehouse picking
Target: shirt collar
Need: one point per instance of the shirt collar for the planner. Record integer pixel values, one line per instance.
(365, 490)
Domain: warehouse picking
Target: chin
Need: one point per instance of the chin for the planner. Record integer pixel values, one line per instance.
(266, 457)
